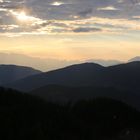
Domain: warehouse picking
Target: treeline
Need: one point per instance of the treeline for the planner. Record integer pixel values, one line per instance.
(23, 116)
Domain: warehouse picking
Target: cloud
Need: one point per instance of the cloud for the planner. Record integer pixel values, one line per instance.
(57, 3)
(108, 8)
(78, 30)
(67, 16)
(136, 17)
(85, 13)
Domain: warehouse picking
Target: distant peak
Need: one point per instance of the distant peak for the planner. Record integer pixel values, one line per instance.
(17, 66)
(88, 64)
(85, 65)
(137, 58)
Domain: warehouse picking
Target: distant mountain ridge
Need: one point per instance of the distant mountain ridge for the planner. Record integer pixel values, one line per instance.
(105, 63)
(11, 73)
(47, 64)
(137, 58)
(75, 75)
(123, 76)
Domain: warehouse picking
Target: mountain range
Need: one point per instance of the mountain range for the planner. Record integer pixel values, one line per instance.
(137, 58)
(123, 76)
(11, 73)
(80, 81)
(47, 64)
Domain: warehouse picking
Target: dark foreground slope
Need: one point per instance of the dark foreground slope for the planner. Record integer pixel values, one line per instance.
(124, 76)
(26, 117)
(11, 73)
(64, 94)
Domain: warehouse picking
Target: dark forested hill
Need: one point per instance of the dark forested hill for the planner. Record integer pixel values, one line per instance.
(11, 73)
(124, 76)
(66, 94)
(23, 116)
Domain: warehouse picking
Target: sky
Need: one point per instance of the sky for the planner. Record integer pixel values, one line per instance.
(71, 29)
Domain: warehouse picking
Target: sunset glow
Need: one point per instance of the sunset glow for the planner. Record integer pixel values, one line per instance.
(71, 30)
(22, 16)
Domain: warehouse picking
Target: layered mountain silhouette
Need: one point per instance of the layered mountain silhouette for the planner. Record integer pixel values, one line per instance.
(80, 102)
(51, 64)
(82, 81)
(75, 75)
(47, 64)
(123, 76)
(11, 73)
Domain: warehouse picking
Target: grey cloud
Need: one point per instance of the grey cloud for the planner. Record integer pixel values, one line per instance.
(71, 10)
(41, 25)
(60, 24)
(85, 13)
(11, 5)
(43, 9)
(135, 1)
(86, 29)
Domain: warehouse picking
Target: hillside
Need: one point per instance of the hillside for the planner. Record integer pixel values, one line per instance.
(75, 75)
(123, 77)
(65, 94)
(11, 73)
(26, 117)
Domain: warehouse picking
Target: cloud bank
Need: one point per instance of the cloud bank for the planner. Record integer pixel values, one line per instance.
(19, 17)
